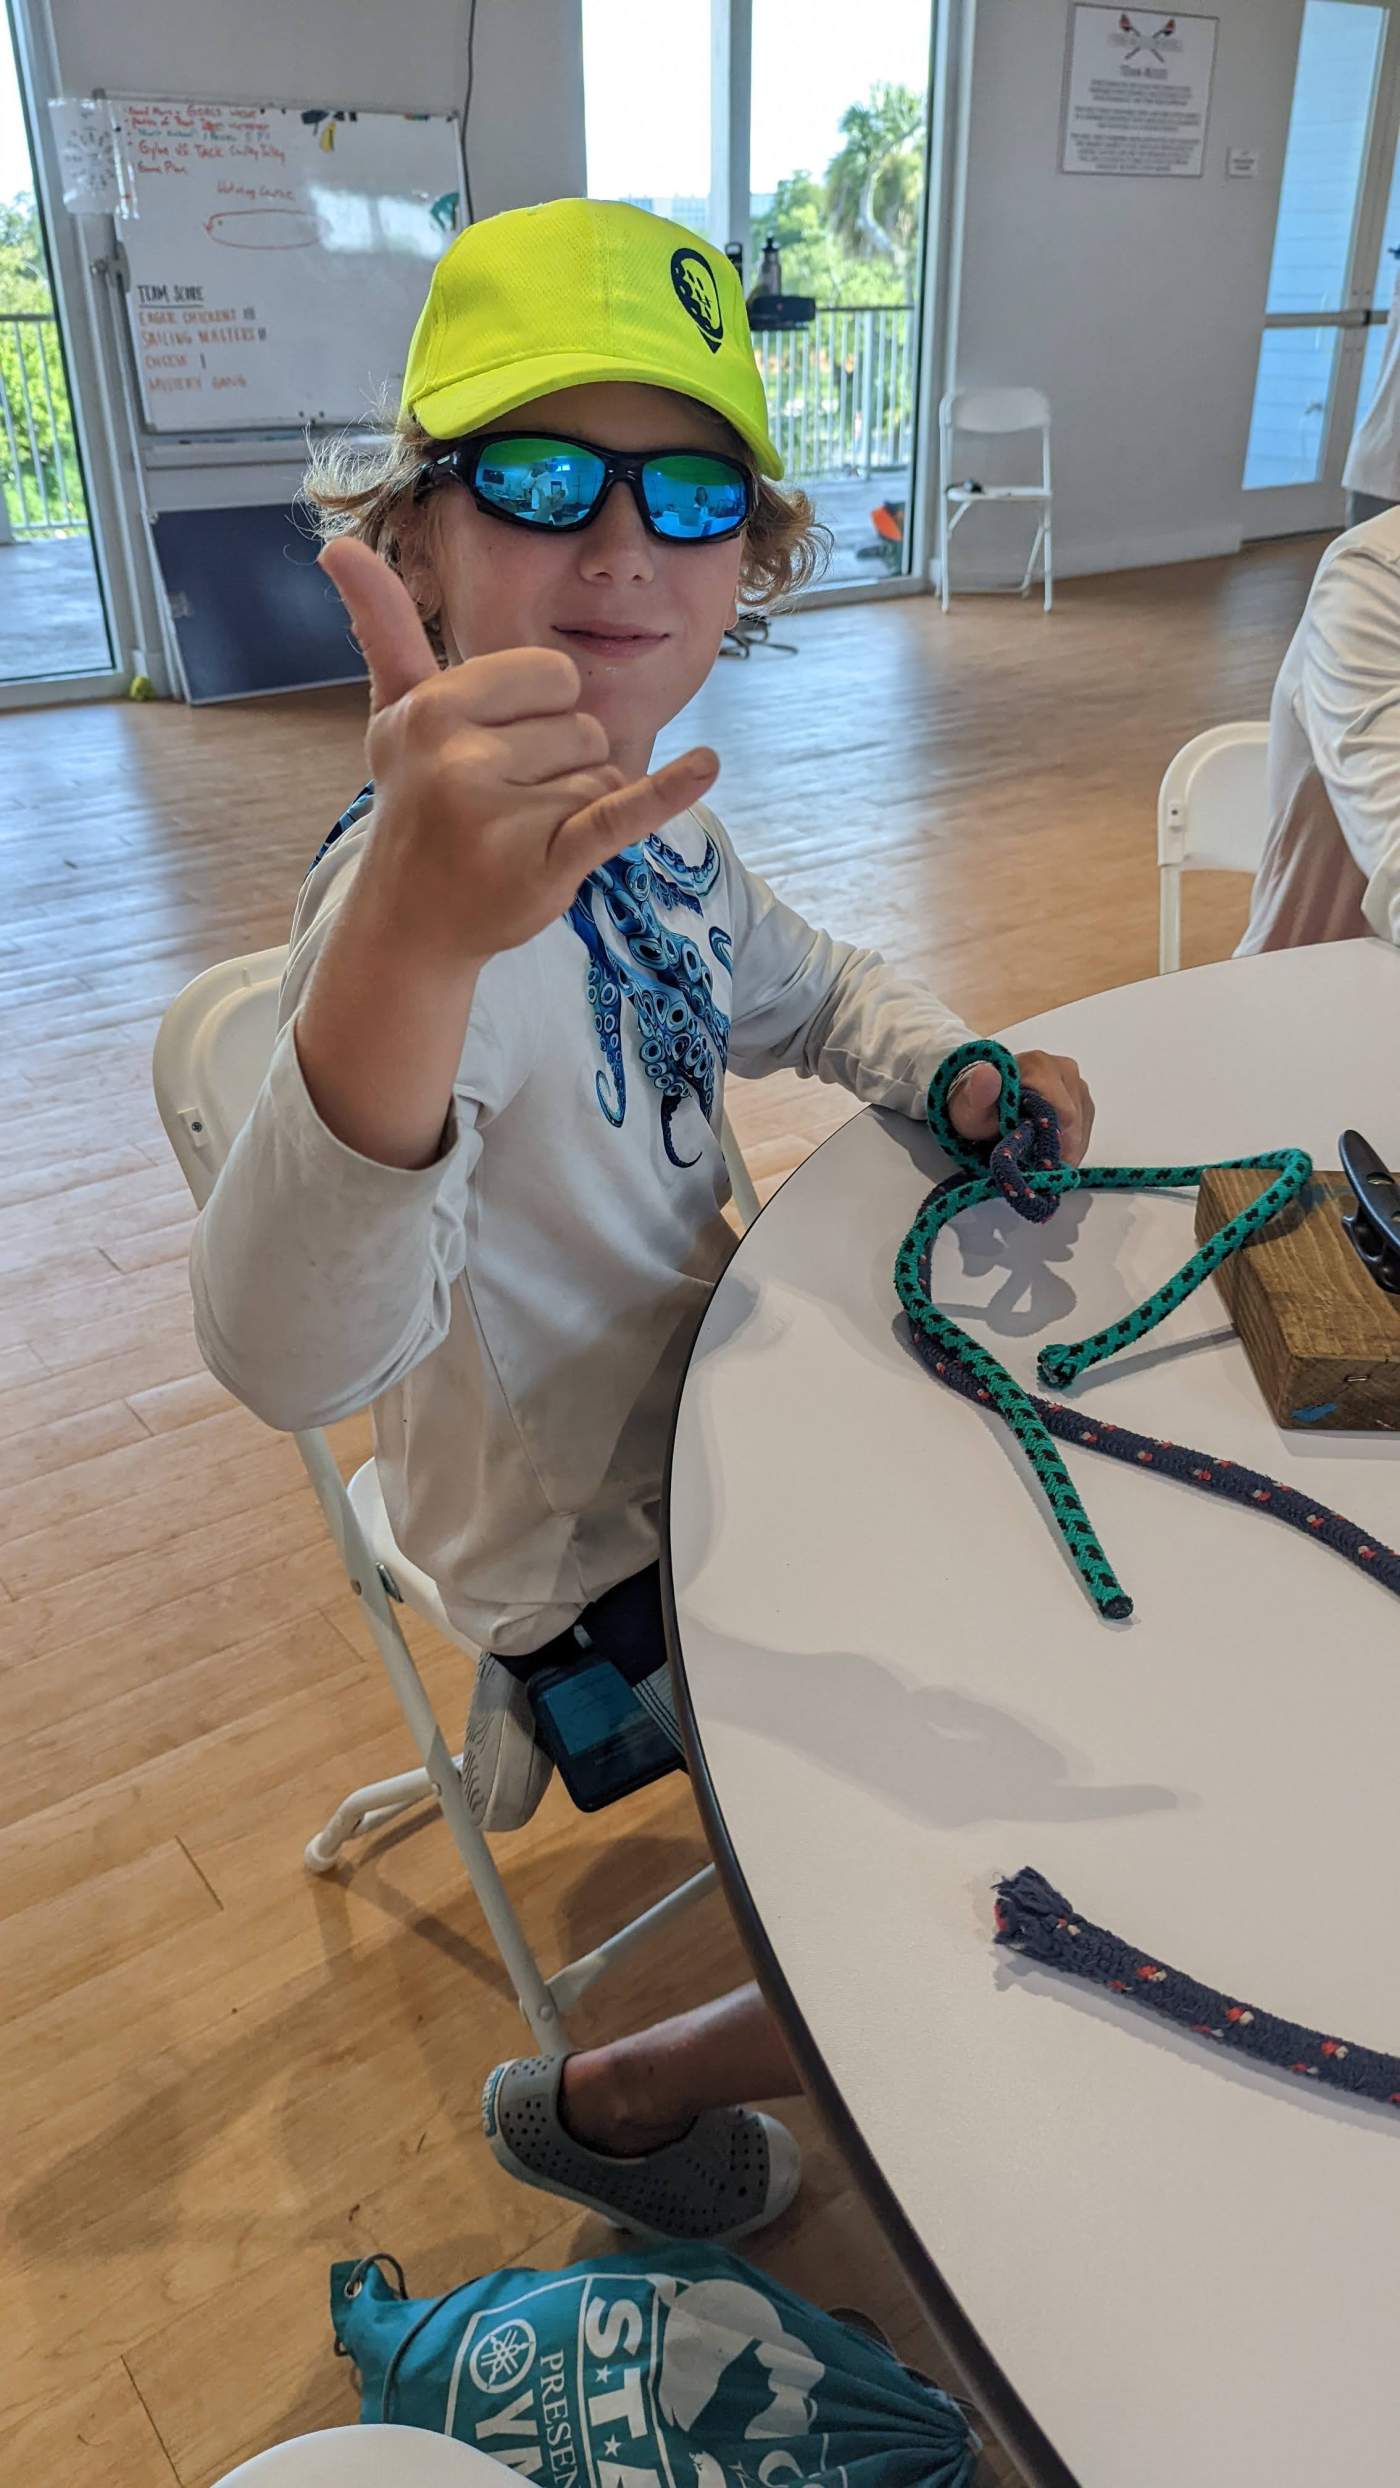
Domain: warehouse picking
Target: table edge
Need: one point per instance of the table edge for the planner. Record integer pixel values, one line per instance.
(996, 2396)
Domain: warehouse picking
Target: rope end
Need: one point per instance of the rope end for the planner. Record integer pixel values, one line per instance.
(1057, 1368)
(1025, 1903)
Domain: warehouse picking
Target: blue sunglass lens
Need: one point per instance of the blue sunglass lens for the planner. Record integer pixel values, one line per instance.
(554, 483)
(692, 498)
(547, 482)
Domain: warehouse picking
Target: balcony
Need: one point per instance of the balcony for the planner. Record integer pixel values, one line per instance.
(841, 410)
(840, 395)
(51, 619)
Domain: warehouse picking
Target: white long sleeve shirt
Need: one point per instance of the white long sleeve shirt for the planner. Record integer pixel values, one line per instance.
(1331, 865)
(518, 1314)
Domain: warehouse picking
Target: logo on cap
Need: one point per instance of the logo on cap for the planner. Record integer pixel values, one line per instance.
(693, 279)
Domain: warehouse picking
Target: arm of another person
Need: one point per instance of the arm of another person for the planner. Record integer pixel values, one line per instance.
(1349, 704)
(805, 1002)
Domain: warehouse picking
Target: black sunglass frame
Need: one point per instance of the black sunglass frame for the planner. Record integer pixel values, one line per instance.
(464, 458)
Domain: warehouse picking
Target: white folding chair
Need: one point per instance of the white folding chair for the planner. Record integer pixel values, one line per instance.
(372, 2457)
(995, 412)
(211, 1052)
(1212, 813)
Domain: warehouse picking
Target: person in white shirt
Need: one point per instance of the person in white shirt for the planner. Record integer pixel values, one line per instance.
(1371, 476)
(1331, 865)
(482, 1186)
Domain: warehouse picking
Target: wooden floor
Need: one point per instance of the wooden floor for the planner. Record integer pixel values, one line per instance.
(215, 2073)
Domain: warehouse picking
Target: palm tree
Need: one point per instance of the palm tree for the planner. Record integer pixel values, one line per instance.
(875, 185)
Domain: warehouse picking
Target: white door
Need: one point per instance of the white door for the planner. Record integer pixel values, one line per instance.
(1323, 295)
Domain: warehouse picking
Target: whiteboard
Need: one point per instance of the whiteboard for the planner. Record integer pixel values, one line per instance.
(278, 257)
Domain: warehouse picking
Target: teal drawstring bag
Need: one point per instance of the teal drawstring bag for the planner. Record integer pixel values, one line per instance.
(679, 2365)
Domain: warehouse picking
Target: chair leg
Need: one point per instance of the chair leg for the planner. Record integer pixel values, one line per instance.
(569, 1984)
(1169, 921)
(366, 1810)
(439, 1776)
(546, 2020)
(1038, 548)
(544, 2002)
(945, 590)
(1048, 564)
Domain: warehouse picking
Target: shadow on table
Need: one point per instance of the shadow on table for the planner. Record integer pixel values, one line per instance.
(944, 1757)
(1032, 1293)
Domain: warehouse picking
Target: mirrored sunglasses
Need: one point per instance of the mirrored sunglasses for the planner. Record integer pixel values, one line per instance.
(539, 480)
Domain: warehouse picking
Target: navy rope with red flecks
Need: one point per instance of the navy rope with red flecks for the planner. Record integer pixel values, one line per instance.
(1033, 1918)
(1024, 1168)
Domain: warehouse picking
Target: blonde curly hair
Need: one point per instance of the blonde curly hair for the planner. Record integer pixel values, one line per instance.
(354, 488)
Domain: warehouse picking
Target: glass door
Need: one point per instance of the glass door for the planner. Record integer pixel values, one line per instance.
(1323, 279)
(837, 167)
(807, 128)
(53, 620)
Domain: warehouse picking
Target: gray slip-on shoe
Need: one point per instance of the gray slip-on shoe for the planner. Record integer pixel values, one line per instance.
(731, 2172)
(505, 1771)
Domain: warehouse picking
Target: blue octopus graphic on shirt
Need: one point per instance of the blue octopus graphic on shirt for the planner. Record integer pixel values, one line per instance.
(659, 974)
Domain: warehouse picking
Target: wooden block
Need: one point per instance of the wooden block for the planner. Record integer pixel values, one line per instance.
(1322, 1338)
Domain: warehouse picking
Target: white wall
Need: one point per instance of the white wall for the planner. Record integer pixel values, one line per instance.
(526, 130)
(1135, 304)
(525, 142)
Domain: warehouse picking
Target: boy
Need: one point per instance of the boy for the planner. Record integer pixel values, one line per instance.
(482, 1185)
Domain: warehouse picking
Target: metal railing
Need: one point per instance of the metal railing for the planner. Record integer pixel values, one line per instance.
(840, 396)
(841, 392)
(41, 489)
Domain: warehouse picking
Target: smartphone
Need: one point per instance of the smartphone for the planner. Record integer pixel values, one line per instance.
(596, 1733)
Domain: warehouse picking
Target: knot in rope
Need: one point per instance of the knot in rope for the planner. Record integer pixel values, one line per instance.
(1024, 1167)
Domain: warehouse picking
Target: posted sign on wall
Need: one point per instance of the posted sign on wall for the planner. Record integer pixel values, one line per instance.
(278, 255)
(1137, 92)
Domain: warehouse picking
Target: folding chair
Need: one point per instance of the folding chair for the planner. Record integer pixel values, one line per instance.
(211, 1052)
(999, 413)
(1212, 812)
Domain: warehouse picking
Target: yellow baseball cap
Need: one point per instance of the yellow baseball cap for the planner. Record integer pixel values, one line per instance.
(579, 290)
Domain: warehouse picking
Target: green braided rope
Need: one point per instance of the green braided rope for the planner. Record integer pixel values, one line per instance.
(1063, 1364)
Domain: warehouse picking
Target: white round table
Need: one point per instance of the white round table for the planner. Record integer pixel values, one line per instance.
(1157, 2263)
(370, 2457)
